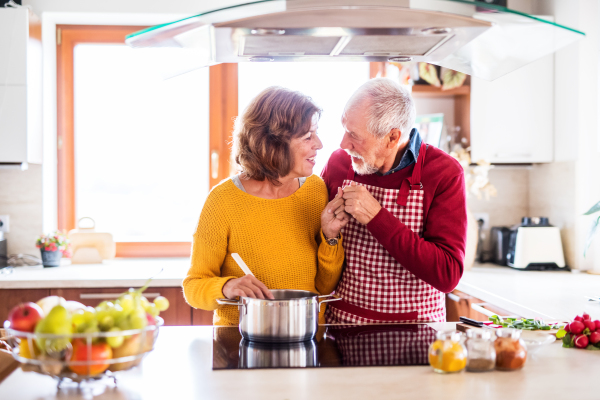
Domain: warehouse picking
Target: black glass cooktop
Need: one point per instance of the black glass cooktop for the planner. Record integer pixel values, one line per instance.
(334, 346)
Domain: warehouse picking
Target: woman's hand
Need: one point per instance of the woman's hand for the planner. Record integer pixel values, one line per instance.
(333, 217)
(246, 286)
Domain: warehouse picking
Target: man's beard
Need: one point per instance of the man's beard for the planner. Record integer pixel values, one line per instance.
(363, 169)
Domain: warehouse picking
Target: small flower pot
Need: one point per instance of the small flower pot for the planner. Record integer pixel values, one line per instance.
(51, 258)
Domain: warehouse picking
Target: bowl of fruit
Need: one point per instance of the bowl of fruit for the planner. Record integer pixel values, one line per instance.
(67, 340)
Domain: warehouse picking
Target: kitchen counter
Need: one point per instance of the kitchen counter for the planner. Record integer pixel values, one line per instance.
(180, 368)
(123, 272)
(545, 294)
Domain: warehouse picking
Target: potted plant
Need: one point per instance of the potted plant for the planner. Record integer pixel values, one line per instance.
(594, 229)
(53, 246)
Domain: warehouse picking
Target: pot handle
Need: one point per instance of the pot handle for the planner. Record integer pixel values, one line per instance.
(229, 302)
(335, 298)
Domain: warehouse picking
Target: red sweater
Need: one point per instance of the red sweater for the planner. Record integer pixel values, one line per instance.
(437, 257)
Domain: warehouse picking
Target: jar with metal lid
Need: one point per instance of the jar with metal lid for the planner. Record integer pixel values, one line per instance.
(511, 351)
(481, 354)
(448, 353)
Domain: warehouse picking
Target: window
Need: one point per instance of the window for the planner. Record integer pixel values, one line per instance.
(134, 148)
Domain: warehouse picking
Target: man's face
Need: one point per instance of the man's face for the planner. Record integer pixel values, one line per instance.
(366, 150)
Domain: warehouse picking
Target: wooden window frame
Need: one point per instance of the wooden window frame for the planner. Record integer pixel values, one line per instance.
(223, 104)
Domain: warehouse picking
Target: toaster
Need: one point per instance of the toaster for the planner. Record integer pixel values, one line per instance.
(535, 245)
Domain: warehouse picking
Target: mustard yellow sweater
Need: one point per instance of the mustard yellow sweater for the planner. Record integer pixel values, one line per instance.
(279, 239)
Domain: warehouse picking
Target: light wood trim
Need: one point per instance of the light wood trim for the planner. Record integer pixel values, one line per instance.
(432, 91)
(377, 68)
(154, 249)
(70, 36)
(223, 111)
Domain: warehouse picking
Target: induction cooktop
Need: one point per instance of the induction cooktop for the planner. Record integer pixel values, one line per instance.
(334, 346)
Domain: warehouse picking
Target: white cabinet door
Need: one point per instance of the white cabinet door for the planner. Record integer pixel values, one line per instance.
(13, 124)
(14, 32)
(512, 118)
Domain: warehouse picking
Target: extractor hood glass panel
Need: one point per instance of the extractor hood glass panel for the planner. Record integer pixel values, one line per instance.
(288, 45)
(391, 45)
(515, 39)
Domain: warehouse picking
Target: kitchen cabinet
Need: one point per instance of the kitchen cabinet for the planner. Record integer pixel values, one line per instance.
(512, 117)
(12, 297)
(458, 304)
(179, 312)
(20, 87)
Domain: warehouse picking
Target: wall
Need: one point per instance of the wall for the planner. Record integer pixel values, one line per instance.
(21, 199)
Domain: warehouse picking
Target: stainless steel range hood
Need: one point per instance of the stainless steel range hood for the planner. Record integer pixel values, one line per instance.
(476, 38)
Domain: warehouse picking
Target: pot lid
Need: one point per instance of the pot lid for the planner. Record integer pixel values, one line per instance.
(479, 39)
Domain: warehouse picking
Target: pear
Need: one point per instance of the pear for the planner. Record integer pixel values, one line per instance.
(56, 322)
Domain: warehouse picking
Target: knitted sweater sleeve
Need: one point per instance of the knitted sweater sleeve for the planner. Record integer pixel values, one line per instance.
(204, 283)
(437, 257)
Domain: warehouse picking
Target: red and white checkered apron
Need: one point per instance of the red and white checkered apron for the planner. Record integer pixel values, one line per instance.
(383, 344)
(375, 288)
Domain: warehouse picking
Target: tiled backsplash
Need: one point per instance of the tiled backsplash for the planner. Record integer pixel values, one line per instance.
(21, 199)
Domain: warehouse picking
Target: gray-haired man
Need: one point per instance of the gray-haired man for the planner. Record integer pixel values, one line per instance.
(406, 241)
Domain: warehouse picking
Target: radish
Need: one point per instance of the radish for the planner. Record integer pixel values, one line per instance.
(567, 328)
(586, 317)
(578, 318)
(577, 327)
(590, 325)
(595, 337)
(581, 341)
(597, 323)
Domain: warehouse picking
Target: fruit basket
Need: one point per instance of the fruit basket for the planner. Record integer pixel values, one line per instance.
(75, 343)
(84, 356)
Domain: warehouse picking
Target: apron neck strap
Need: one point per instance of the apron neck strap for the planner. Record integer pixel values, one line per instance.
(414, 183)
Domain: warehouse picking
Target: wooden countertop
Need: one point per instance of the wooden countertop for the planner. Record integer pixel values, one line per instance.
(180, 368)
(123, 272)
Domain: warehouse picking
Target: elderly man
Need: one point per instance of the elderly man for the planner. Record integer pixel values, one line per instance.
(405, 244)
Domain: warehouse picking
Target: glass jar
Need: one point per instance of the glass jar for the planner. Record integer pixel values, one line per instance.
(511, 352)
(481, 354)
(448, 353)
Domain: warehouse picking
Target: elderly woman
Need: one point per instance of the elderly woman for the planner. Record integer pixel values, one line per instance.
(275, 213)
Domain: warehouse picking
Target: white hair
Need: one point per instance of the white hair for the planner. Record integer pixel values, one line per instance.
(390, 106)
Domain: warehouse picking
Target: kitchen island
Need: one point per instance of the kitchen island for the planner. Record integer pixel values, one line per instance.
(180, 368)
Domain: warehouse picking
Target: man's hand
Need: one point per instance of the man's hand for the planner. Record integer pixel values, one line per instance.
(360, 203)
(246, 286)
(333, 217)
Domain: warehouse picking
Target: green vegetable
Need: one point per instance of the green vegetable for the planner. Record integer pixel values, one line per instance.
(527, 324)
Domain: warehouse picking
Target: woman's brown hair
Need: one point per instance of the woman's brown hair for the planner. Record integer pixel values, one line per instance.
(262, 135)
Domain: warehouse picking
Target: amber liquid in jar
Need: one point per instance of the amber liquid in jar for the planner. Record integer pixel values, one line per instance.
(511, 352)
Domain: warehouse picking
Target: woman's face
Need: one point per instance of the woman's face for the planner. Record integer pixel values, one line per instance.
(304, 150)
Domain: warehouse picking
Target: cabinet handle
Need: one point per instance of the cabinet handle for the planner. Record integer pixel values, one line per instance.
(453, 297)
(84, 296)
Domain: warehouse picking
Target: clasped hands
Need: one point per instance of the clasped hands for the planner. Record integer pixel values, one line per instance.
(354, 200)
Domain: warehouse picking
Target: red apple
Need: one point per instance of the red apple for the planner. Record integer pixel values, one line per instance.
(577, 327)
(581, 341)
(25, 316)
(595, 337)
(578, 318)
(590, 325)
(150, 318)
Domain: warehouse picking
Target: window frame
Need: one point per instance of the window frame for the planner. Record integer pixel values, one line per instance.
(223, 108)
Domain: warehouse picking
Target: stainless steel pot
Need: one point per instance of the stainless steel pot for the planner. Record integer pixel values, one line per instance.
(293, 316)
(278, 355)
